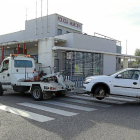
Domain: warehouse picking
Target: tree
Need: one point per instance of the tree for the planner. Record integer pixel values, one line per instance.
(137, 53)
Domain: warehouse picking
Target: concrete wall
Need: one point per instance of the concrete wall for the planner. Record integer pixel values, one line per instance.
(69, 40)
(45, 53)
(109, 64)
(33, 33)
(94, 43)
(17, 36)
(32, 50)
(80, 41)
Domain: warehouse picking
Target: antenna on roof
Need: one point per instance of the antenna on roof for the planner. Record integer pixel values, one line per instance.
(36, 20)
(41, 19)
(26, 14)
(47, 19)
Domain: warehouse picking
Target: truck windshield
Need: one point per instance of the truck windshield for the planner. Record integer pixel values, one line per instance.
(23, 63)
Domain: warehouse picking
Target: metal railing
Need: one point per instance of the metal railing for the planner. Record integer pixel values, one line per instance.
(118, 43)
(77, 80)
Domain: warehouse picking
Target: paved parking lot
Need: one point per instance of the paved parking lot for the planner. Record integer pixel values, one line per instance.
(76, 117)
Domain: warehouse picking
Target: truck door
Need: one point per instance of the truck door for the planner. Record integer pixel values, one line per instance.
(126, 83)
(5, 74)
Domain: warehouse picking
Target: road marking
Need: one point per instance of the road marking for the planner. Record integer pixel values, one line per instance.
(69, 105)
(48, 109)
(84, 102)
(121, 99)
(93, 99)
(26, 114)
(116, 98)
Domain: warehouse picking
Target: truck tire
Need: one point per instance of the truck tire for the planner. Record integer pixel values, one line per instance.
(100, 91)
(60, 94)
(37, 93)
(1, 89)
(100, 98)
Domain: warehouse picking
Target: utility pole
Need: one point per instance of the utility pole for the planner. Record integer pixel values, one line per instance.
(126, 47)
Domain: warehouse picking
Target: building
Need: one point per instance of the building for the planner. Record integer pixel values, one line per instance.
(58, 42)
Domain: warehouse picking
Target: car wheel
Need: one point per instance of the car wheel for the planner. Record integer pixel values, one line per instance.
(60, 94)
(37, 93)
(100, 93)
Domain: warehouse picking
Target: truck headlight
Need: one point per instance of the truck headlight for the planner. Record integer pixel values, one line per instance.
(88, 80)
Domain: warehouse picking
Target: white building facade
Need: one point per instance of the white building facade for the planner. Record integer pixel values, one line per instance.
(58, 42)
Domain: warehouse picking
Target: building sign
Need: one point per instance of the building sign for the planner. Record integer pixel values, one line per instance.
(70, 23)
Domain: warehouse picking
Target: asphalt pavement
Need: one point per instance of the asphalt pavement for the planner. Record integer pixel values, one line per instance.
(74, 117)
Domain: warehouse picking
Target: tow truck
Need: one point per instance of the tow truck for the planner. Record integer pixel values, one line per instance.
(17, 72)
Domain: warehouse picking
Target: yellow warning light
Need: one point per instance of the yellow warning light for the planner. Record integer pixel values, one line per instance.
(13, 54)
(28, 56)
(20, 55)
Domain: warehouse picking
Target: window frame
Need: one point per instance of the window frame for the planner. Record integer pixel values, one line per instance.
(131, 76)
(58, 31)
(2, 68)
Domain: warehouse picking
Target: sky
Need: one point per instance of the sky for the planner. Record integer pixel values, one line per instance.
(118, 19)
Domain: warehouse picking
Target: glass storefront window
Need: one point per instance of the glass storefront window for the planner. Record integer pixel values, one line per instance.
(78, 63)
(88, 69)
(97, 64)
(82, 64)
(68, 63)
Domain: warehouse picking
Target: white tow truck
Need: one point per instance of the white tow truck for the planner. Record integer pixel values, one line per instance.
(17, 73)
(124, 83)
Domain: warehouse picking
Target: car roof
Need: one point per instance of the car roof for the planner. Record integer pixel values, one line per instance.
(132, 69)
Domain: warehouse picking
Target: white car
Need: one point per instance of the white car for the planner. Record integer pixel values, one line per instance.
(125, 82)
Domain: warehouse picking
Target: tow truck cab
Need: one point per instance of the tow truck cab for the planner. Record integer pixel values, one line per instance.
(14, 68)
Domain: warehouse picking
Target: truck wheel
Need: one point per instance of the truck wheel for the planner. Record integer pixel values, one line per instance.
(100, 98)
(37, 93)
(100, 91)
(1, 90)
(60, 94)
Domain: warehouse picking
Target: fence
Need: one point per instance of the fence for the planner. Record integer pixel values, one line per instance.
(77, 80)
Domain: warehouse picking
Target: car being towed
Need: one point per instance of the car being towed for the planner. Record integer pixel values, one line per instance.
(124, 82)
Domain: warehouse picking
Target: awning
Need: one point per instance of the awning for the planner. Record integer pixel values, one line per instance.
(57, 48)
